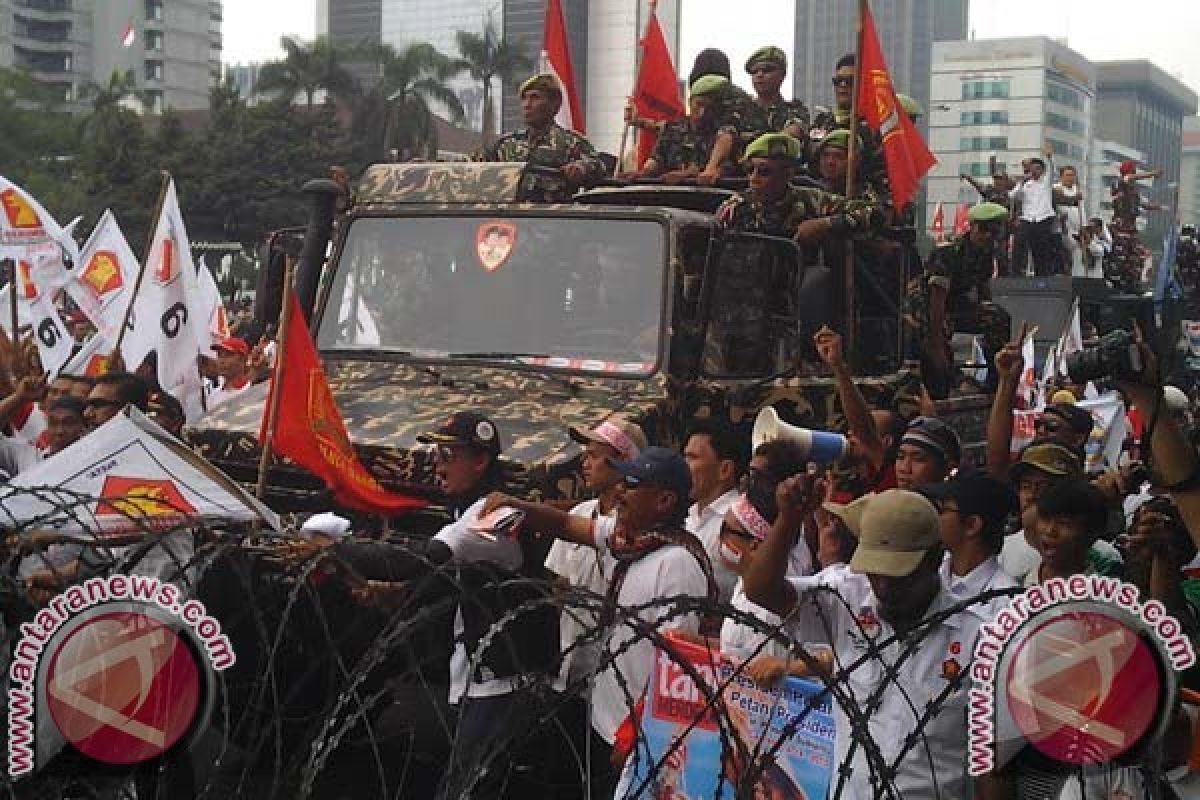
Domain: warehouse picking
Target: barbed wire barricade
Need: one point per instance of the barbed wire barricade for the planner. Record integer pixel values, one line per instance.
(340, 686)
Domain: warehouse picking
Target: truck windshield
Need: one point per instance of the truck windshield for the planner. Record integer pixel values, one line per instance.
(570, 293)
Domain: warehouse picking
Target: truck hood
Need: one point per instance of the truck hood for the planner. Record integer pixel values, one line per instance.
(387, 405)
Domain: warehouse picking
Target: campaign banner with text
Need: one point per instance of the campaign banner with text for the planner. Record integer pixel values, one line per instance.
(698, 765)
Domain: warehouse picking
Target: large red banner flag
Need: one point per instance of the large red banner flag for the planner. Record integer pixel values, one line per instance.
(556, 59)
(908, 159)
(311, 431)
(656, 93)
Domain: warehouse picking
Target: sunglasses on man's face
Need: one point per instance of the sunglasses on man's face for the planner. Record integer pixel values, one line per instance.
(842, 80)
(766, 170)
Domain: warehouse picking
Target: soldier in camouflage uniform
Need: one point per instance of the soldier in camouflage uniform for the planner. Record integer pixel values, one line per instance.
(955, 296)
(872, 168)
(546, 144)
(767, 67)
(684, 147)
(810, 216)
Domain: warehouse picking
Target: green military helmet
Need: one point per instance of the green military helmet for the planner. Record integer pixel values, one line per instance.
(545, 82)
(708, 86)
(910, 106)
(770, 55)
(837, 138)
(775, 146)
(988, 212)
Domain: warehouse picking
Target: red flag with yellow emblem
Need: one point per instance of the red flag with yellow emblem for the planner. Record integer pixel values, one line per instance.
(908, 158)
(311, 431)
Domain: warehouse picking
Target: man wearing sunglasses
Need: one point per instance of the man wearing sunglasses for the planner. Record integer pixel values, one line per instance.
(872, 169)
(111, 393)
(685, 147)
(767, 67)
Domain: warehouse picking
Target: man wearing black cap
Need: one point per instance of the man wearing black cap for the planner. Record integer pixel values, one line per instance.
(972, 511)
(929, 451)
(655, 558)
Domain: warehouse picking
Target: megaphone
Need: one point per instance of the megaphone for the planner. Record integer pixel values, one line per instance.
(821, 447)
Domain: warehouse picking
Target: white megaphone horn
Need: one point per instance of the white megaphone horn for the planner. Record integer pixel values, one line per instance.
(821, 447)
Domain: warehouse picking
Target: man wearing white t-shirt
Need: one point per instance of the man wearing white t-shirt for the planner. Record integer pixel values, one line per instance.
(909, 677)
(716, 458)
(654, 560)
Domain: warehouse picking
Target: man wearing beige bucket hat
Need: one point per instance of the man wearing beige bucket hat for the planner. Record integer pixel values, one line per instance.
(875, 618)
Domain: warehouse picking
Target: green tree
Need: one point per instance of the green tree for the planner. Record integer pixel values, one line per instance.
(395, 113)
(306, 68)
(488, 57)
(38, 141)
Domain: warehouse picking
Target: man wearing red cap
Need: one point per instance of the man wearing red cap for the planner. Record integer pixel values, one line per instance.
(233, 370)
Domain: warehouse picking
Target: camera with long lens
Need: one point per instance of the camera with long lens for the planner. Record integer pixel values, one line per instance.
(1116, 355)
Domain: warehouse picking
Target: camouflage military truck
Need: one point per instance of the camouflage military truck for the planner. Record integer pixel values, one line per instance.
(442, 291)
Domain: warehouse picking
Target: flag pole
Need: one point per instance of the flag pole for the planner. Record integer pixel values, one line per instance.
(272, 411)
(137, 285)
(12, 300)
(852, 156)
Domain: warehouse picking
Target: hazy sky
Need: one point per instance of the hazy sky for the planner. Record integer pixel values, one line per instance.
(1164, 31)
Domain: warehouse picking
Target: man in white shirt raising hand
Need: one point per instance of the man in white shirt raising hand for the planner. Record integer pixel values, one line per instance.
(1036, 196)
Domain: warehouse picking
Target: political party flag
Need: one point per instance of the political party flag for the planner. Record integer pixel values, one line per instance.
(127, 475)
(103, 285)
(656, 91)
(210, 311)
(92, 360)
(1028, 389)
(907, 157)
(167, 313)
(6, 294)
(556, 60)
(312, 433)
(54, 341)
(939, 224)
(29, 233)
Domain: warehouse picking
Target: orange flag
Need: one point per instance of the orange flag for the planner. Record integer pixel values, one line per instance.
(311, 432)
(908, 159)
(656, 94)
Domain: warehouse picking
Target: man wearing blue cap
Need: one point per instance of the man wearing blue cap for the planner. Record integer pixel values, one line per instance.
(655, 559)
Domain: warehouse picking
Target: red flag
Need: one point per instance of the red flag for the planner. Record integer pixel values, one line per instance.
(656, 93)
(311, 432)
(908, 159)
(556, 59)
(939, 224)
(962, 222)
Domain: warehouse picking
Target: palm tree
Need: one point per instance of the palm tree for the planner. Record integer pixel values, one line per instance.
(112, 113)
(306, 68)
(488, 56)
(409, 81)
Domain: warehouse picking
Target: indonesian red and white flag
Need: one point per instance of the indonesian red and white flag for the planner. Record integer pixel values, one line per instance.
(167, 311)
(129, 35)
(103, 285)
(962, 219)
(938, 225)
(556, 60)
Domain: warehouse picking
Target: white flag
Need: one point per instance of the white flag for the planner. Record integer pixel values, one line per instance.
(128, 474)
(164, 312)
(92, 359)
(27, 231)
(6, 295)
(211, 308)
(1071, 340)
(54, 341)
(1028, 387)
(103, 285)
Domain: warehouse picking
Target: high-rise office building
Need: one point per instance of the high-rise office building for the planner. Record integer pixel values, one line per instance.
(826, 30)
(173, 49)
(999, 101)
(1141, 106)
(603, 37)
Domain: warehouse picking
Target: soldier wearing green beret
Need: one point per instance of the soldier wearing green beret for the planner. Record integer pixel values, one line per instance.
(545, 144)
(955, 295)
(767, 67)
(684, 147)
(872, 168)
(832, 158)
